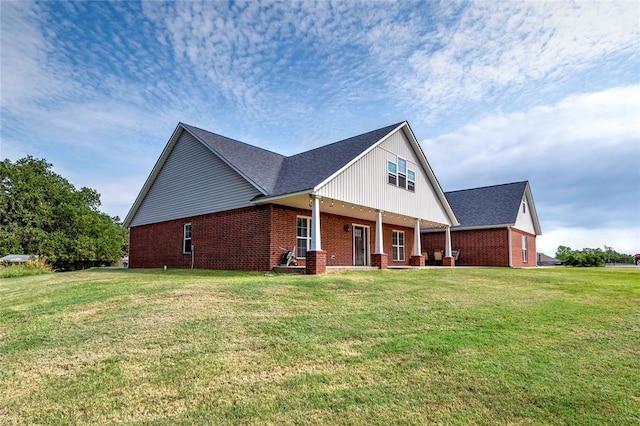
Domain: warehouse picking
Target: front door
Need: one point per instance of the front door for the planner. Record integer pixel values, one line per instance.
(360, 245)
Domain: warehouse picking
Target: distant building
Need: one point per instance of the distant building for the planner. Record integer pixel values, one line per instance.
(498, 227)
(544, 260)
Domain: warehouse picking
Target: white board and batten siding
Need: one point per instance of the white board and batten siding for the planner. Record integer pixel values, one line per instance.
(524, 221)
(365, 183)
(193, 181)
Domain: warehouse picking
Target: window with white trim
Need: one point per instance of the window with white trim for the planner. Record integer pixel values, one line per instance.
(398, 245)
(186, 238)
(411, 180)
(303, 235)
(524, 206)
(399, 175)
(525, 254)
(392, 173)
(402, 172)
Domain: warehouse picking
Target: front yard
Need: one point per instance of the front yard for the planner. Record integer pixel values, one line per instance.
(449, 346)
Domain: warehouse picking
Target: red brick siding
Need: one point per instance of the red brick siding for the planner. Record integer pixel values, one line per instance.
(234, 239)
(249, 239)
(516, 238)
(483, 247)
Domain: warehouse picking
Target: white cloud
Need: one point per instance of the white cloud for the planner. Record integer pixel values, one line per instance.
(581, 156)
(496, 46)
(623, 240)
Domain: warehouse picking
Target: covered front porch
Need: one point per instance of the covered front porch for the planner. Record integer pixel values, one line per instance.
(372, 248)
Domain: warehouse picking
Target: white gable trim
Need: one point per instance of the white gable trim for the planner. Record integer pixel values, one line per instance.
(532, 210)
(160, 164)
(423, 162)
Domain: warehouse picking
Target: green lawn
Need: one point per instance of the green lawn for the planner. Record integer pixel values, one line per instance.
(447, 346)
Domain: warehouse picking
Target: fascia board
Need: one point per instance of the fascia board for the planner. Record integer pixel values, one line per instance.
(282, 196)
(153, 175)
(430, 175)
(467, 228)
(423, 160)
(532, 210)
(355, 159)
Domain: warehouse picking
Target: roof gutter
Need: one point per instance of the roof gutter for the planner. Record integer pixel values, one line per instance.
(465, 228)
(266, 199)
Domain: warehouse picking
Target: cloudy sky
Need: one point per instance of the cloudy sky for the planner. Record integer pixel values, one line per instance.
(496, 92)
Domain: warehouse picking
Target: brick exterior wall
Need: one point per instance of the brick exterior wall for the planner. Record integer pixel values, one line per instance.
(233, 239)
(517, 257)
(250, 239)
(483, 247)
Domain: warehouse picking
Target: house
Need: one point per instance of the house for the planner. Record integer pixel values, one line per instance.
(214, 202)
(498, 227)
(11, 259)
(546, 260)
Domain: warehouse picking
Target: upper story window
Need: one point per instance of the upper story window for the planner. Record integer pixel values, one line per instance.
(402, 172)
(524, 206)
(411, 180)
(186, 238)
(392, 173)
(399, 175)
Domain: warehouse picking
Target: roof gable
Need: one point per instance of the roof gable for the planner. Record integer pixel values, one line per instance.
(275, 175)
(259, 166)
(308, 169)
(491, 206)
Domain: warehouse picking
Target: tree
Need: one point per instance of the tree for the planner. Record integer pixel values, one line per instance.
(563, 253)
(41, 213)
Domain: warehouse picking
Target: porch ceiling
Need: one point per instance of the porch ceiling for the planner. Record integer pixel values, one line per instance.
(340, 208)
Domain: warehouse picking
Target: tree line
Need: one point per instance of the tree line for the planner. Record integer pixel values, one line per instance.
(591, 256)
(42, 214)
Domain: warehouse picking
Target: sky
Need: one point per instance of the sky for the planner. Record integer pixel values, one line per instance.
(495, 92)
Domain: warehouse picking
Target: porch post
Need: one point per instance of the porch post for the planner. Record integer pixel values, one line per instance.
(447, 242)
(448, 260)
(379, 258)
(379, 244)
(316, 262)
(316, 244)
(417, 250)
(416, 258)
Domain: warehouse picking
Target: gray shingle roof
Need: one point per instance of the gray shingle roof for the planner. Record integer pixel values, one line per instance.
(307, 169)
(487, 206)
(277, 174)
(259, 165)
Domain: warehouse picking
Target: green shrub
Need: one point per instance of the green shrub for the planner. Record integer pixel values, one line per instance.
(31, 267)
(586, 257)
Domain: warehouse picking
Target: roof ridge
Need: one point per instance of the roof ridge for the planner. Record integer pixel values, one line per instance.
(488, 186)
(233, 140)
(359, 135)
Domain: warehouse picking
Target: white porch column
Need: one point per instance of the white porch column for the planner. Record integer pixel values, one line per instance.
(316, 244)
(417, 250)
(379, 244)
(447, 242)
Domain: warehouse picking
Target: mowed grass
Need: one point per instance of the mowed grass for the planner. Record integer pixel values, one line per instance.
(444, 346)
